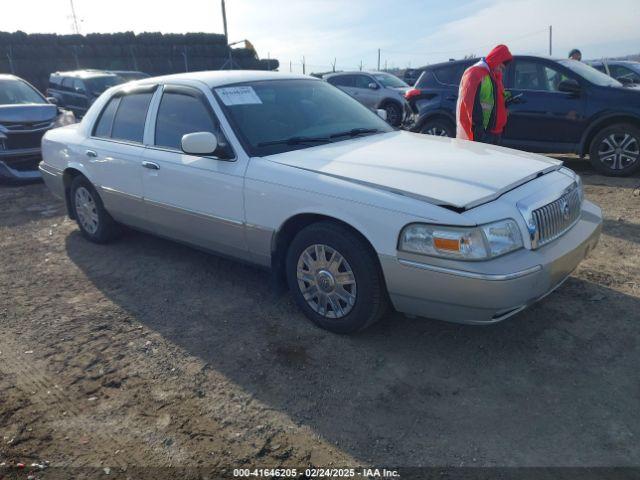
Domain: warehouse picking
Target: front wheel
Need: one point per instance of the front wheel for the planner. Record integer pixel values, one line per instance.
(335, 278)
(615, 151)
(438, 128)
(394, 114)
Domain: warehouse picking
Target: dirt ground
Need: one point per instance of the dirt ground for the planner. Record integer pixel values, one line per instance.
(146, 353)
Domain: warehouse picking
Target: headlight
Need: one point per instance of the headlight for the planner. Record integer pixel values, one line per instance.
(65, 117)
(580, 188)
(474, 243)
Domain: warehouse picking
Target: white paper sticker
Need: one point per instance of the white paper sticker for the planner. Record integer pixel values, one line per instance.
(238, 96)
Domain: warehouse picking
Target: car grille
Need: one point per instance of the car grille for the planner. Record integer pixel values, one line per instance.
(23, 164)
(18, 141)
(555, 218)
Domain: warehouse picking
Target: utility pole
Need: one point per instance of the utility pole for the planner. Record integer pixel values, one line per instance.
(76, 28)
(304, 66)
(290, 66)
(550, 40)
(226, 35)
(378, 59)
(333, 65)
(360, 65)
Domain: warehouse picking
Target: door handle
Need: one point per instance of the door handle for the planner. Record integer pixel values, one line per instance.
(91, 153)
(151, 165)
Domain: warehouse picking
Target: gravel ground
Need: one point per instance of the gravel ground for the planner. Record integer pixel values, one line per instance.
(148, 353)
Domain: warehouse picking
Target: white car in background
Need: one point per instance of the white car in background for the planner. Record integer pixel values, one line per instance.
(290, 173)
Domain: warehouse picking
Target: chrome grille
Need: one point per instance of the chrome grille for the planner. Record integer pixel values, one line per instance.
(555, 218)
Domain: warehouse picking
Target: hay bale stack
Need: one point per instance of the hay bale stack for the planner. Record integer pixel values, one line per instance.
(34, 56)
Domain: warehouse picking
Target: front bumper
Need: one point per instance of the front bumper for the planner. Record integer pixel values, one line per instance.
(488, 292)
(20, 164)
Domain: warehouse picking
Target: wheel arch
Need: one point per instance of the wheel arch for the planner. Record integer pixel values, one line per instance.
(68, 175)
(604, 122)
(283, 237)
(435, 115)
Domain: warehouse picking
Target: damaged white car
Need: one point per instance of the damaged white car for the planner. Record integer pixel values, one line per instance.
(290, 173)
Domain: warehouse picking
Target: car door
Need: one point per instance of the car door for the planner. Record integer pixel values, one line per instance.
(81, 101)
(542, 118)
(114, 155)
(363, 92)
(191, 198)
(68, 98)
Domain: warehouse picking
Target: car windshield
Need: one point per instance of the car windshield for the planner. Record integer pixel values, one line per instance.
(278, 116)
(391, 81)
(97, 85)
(590, 74)
(17, 92)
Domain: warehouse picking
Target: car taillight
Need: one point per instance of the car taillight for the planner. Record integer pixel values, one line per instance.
(414, 92)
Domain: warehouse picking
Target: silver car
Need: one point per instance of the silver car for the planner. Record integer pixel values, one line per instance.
(376, 90)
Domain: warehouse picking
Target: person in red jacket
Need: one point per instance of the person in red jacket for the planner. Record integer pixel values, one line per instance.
(481, 112)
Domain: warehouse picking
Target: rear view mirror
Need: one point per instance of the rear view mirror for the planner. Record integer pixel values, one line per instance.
(382, 114)
(199, 143)
(569, 86)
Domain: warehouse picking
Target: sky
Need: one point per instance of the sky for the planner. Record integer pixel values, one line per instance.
(409, 33)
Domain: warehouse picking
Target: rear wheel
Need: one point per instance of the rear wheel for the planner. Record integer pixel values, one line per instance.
(335, 279)
(438, 128)
(615, 151)
(94, 221)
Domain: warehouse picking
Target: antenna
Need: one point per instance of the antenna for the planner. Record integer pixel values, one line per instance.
(76, 28)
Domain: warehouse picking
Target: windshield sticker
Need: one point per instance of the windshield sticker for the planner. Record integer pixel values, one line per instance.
(238, 96)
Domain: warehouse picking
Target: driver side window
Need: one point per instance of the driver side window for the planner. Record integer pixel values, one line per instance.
(362, 81)
(181, 113)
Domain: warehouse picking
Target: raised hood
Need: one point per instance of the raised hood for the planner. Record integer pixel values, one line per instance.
(443, 171)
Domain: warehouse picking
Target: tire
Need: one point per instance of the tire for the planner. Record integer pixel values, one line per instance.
(438, 128)
(94, 221)
(362, 298)
(615, 150)
(394, 113)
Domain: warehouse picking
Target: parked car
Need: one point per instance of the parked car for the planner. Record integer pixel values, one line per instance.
(376, 90)
(129, 75)
(625, 71)
(25, 115)
(289, 173)
(77, 90)
(411, 75)
(560, 106)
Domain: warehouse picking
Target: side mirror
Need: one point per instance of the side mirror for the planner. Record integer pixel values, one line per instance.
(52, 100)
(569, 86)
(373, 86)
(199, 143)
(382, 114)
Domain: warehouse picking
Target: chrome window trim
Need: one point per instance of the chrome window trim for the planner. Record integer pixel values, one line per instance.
(491, 277)
(154, 108)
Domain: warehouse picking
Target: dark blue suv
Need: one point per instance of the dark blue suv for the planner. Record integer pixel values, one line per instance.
(560, 106)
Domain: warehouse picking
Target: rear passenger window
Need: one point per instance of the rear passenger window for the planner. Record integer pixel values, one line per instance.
(103, 128)
(67, 83)
(450, 74)
(130, 117)
(342, 81)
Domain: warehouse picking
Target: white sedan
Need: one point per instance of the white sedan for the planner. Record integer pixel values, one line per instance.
(289, 173)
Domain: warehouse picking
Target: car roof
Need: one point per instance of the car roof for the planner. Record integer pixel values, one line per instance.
(476, 59)
(217, 78)
(353, 72)
(84, 74)
(8, 76)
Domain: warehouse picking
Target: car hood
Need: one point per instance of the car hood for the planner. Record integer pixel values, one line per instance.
(30, 113)
(443, 171)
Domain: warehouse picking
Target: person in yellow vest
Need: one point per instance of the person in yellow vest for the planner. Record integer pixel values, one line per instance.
(481, 112)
